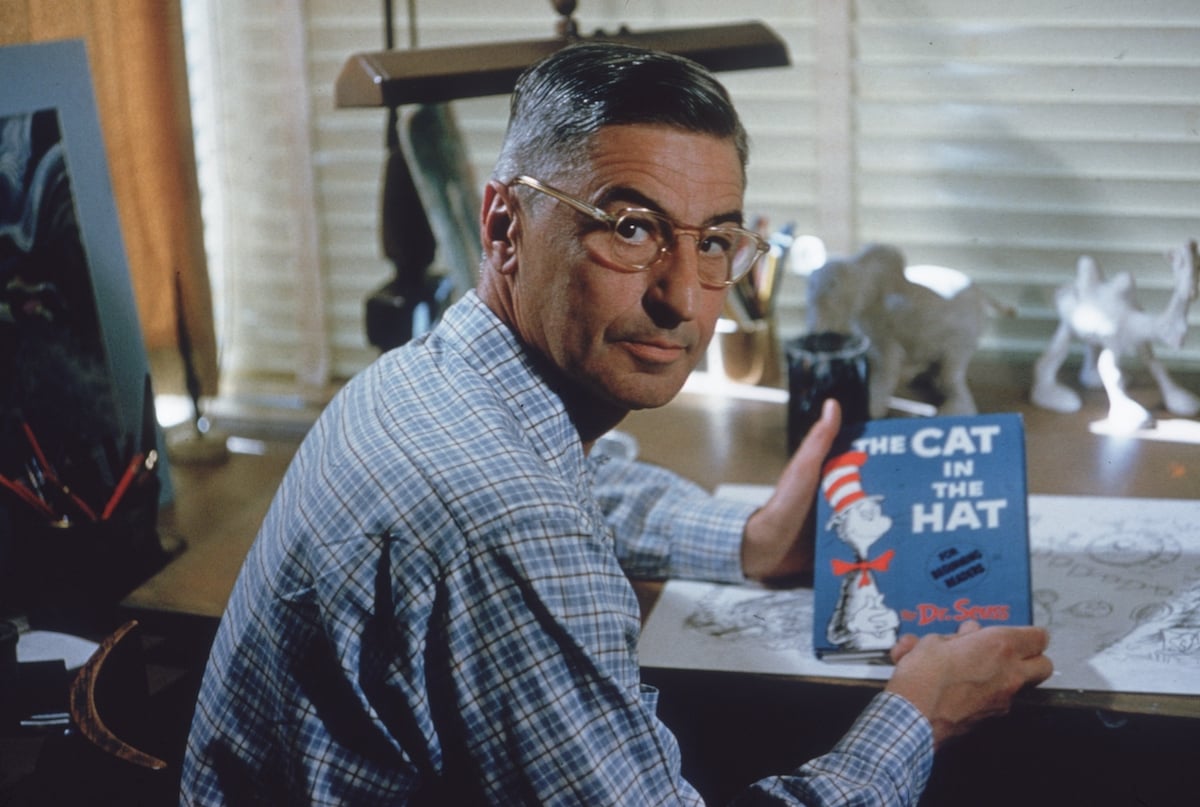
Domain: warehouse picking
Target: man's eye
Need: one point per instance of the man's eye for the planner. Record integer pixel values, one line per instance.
(716, 244)
(637, 230)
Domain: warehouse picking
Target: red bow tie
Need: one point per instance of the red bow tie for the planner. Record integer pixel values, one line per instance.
(880, 564)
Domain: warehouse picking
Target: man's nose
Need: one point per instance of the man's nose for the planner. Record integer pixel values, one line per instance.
(676, 283)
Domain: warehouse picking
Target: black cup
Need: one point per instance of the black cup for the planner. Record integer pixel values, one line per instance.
(820, 366)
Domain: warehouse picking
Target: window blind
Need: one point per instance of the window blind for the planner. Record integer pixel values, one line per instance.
(1003, 140)
(1008, 139)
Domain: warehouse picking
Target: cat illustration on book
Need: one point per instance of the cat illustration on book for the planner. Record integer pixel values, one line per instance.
(861, 620)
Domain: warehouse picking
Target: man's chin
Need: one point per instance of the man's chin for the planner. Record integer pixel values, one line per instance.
(649, 392)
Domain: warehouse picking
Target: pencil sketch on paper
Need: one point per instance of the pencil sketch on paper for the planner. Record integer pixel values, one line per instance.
(1117, 583)
(774, 619)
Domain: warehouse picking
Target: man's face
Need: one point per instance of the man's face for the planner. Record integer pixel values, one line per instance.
(627, 339)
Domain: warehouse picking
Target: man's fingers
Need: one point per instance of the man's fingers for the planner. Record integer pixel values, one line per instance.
(803, 471)
(1024, 642)
(958, 679)
(1032, 644)
(1026, 648)
(1032, 641)
(902, 647)
(1038, 669)
(815, 445)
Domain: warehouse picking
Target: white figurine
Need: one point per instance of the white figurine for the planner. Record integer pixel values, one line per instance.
(1105, 316)
(923, 321)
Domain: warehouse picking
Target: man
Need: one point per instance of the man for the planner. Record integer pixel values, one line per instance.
(436, 609)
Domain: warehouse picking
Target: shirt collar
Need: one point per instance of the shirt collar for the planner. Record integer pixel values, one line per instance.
(488, 345)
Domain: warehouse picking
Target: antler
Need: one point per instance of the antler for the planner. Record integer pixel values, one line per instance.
(1172, 323)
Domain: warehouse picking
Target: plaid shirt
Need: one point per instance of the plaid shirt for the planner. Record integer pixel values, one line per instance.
(436, 610)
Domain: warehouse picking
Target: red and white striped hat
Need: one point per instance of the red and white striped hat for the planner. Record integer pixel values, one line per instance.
(841, 482)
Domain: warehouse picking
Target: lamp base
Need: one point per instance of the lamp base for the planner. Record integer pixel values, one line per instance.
(187, 445)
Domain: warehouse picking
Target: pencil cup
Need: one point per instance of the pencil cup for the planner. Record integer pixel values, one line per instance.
(747, 353)
(821, 366)
(64, 577)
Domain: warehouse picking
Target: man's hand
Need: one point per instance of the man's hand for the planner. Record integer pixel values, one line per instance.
(778, 540)
(959, 680)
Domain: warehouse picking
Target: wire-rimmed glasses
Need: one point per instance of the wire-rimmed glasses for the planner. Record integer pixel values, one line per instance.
(641, 237)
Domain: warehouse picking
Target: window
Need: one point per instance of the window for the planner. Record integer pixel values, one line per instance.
(1003, 140)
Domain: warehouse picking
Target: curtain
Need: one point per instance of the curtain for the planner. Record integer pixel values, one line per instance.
(261, 149)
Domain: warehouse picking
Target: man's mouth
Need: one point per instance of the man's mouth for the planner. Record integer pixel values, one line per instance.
(655, 351)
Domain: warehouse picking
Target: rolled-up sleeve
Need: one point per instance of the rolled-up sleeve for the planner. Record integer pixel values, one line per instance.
(666, 526)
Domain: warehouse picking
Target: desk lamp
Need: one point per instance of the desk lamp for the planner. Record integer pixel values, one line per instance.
(433, 75)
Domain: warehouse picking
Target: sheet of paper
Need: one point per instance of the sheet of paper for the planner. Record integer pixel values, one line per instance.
(46, 645)
(1116, 582)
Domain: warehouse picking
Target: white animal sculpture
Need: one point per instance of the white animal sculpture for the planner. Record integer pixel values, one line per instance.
(1105, 316)
(923, 322)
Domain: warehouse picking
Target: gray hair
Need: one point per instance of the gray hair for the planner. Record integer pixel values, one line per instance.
(560, 104)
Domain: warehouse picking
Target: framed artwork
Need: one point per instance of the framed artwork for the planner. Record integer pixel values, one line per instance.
(78, 434)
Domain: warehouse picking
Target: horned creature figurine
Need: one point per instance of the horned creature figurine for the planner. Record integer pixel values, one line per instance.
(1105, 316)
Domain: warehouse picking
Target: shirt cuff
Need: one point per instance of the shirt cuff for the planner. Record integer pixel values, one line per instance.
(890, 744)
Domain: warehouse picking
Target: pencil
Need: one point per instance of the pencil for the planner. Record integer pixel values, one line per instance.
(28, 496)
(122, 486)
(52, 476)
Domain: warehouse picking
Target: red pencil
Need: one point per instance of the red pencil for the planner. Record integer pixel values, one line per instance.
(122, 486)
(35, 445)
(52, 476)
(28, 496)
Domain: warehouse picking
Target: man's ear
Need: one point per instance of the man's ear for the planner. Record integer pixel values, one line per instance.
(498, 228)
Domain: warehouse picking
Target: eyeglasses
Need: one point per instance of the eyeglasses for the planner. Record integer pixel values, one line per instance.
(639, 238)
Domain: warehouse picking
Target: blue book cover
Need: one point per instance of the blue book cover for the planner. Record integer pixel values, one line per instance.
(922, 524)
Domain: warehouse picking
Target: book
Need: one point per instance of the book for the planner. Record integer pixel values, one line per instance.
(922, 524)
